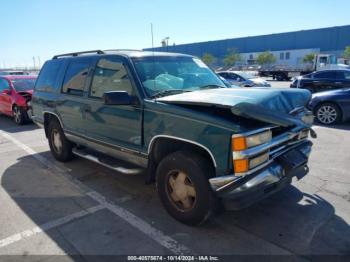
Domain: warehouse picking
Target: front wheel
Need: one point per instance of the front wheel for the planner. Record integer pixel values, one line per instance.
(183, 187)
(328, 114)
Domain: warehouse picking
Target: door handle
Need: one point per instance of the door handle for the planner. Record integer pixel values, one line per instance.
(338, 83)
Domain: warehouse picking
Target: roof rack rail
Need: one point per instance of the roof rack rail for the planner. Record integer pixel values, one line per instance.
(100, 52)
(122, 50)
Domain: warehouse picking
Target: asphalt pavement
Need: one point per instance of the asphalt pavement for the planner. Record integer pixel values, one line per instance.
(79, 209)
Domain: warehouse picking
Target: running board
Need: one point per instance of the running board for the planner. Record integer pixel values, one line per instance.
(106, 161)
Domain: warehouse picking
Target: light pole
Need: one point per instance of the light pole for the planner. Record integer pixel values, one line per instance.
(165, 43)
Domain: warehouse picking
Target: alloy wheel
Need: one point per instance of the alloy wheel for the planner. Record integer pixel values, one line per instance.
(17, 115)
(327, 114)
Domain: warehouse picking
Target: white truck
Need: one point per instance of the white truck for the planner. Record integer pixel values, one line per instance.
(321, 62)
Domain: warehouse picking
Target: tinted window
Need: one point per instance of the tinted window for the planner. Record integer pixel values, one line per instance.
(287, 55)
(347, 75)
(343, 75)
(325, 75)
(110, 75)
(76, 74)
(224, 75)
(48, 76)
(233, 76)
(4, 84)
(23, 84)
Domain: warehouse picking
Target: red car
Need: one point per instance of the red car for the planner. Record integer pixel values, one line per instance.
(15, 93)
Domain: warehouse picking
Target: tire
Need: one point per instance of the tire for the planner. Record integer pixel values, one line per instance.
(20, 116)
(189, 200)
(328, 113)
(280, 77)
(60, 147)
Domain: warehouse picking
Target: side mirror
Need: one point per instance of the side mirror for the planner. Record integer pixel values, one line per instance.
(117, 98)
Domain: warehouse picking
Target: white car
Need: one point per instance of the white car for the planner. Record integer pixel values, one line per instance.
(243, 79)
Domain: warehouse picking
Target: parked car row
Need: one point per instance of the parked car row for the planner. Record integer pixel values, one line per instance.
(238, 78)
(15, 93)
(331, 94)
(324, 80)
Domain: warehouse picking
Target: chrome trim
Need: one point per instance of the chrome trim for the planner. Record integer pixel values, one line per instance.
(123, 170)
(220, 183)
(264, 147)
(181, 139)
(129, 157)
(52, 113)
(123, 149)
(253, 132)
(254, 169)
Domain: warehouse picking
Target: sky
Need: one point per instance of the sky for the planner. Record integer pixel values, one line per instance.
(43, 28)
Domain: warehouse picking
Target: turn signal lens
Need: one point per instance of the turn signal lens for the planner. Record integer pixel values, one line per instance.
(239, 143)
(241, 166)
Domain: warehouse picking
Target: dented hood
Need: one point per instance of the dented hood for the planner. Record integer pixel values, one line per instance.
(267, 105)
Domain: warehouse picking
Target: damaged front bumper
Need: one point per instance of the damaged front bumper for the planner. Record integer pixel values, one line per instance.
(240, 192)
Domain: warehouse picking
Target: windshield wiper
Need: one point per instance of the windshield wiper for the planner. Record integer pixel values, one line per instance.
(169, 92)
(211, 87)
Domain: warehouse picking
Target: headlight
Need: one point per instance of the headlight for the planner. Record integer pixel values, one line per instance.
(240, 143)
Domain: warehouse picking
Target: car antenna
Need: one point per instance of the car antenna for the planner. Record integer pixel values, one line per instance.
(153, 58)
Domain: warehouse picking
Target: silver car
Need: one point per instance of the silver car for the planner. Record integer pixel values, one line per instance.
(243, 79)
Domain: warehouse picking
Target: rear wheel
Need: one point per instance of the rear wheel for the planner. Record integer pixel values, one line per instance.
(60, 147)
(328, 113)
(183, 187)
(20, 116)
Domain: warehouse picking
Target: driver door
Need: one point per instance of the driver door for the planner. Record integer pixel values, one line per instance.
(117, 125)
(5, 99)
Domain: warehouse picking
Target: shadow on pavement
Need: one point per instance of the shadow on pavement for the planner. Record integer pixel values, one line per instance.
(7, 124)
(301, 223)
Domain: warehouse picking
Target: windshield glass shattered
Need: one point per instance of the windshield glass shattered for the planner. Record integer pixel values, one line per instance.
(162, 76)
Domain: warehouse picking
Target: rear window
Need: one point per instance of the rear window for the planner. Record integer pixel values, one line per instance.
(48, 76)
(23, 84)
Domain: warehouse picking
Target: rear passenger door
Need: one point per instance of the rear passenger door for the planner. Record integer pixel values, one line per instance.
(72, 102)
(324, 80)
(118, 125)
(343, 79)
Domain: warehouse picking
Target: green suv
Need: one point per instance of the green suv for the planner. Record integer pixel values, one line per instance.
(170, 118)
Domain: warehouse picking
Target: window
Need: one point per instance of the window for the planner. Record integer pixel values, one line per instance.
(325, 75)
(282, 56)
(174, 74)
(48, 76)
(343, 75)
(4, 84)
(110, 75)
(287, 55)
(235, 77)
(76, 74)
(251, 57)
